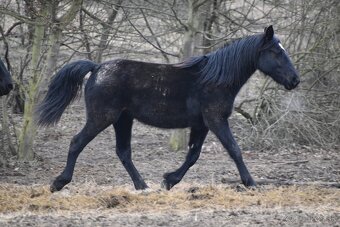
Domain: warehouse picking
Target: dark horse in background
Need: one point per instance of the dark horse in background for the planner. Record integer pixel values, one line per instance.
(198, 93)
(5, 80)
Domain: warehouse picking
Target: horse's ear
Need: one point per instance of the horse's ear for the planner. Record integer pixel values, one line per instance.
(269, 32)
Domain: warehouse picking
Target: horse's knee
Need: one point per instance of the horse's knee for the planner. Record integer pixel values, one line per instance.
(234, 151)
(236, 155)
(124, 155)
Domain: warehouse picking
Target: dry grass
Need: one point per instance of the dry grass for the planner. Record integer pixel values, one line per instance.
(15, 198)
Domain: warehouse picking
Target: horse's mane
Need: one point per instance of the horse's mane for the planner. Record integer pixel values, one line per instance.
(2, 67)
(228, 65)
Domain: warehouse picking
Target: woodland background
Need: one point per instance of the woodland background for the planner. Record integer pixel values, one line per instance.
(38, 37)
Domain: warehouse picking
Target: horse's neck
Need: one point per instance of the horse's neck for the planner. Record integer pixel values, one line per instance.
(236, 86)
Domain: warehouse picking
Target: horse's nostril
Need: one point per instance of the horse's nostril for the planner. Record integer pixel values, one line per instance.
(10, 86)
(295, 81)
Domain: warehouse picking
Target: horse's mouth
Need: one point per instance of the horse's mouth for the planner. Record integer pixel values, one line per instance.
(290, 86)
(4, 92)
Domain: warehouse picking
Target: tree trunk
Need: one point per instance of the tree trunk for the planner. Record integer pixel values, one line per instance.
(26, 138)
(38, 82)
(7, 148)
(107, 26)
(57, 27)
(178, 138)
(51, 60)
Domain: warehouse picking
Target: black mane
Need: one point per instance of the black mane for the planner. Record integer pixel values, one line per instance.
(228, 65)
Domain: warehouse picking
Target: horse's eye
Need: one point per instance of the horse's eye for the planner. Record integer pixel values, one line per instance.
(274, 51)
(277, 51)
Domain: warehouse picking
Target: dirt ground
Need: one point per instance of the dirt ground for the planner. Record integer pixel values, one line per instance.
(98, 169)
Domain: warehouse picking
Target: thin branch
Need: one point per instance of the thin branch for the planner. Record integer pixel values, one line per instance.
(77, 51)
(184, 25)
(19, 17)
(86, 39)
(71, 13)
(12, 27)
(244, 114)
(323, 75)
(199, 3)
(153, 35)
(141, 35)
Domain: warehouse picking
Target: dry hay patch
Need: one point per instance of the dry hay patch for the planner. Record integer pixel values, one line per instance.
(89, 196)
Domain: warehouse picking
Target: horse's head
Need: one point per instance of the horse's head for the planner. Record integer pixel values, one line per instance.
(274, 61)
(5, 80)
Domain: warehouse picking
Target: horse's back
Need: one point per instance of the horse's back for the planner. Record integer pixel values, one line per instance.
(156, 94)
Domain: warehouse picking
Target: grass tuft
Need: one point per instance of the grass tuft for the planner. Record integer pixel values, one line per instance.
(16, 198)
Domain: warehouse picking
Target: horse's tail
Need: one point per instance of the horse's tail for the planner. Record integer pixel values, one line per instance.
(64, 88)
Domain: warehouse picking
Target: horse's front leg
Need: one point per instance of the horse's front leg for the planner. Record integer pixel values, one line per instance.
(222, 130)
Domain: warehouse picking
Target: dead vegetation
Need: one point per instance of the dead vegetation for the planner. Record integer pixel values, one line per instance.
(38, 199)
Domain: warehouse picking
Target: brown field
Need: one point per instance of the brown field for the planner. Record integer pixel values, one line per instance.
(89, 202)
(297, 187)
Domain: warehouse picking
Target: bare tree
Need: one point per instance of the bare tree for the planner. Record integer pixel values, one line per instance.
(44, 35)
(39, 13)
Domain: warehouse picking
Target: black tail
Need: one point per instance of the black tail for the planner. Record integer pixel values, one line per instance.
(64, 87)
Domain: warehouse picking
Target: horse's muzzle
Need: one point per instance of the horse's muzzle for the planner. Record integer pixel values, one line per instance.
(293, 83)
(6, 89)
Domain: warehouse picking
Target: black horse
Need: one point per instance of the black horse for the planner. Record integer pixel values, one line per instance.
(5, 80)
(198, 93)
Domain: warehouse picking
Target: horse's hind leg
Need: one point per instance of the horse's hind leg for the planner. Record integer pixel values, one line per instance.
(79, 141)
(197, 136)
(123, 149)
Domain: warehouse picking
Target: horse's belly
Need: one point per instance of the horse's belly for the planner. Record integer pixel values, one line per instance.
(162, 117)
(164, 122)
(173, 109)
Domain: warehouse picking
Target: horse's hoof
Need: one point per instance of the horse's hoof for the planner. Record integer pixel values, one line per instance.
(59, 183)
(141, 187)
(53, 188)
(250, 184)
(166, 185)
(170, 180)
(56, 186)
